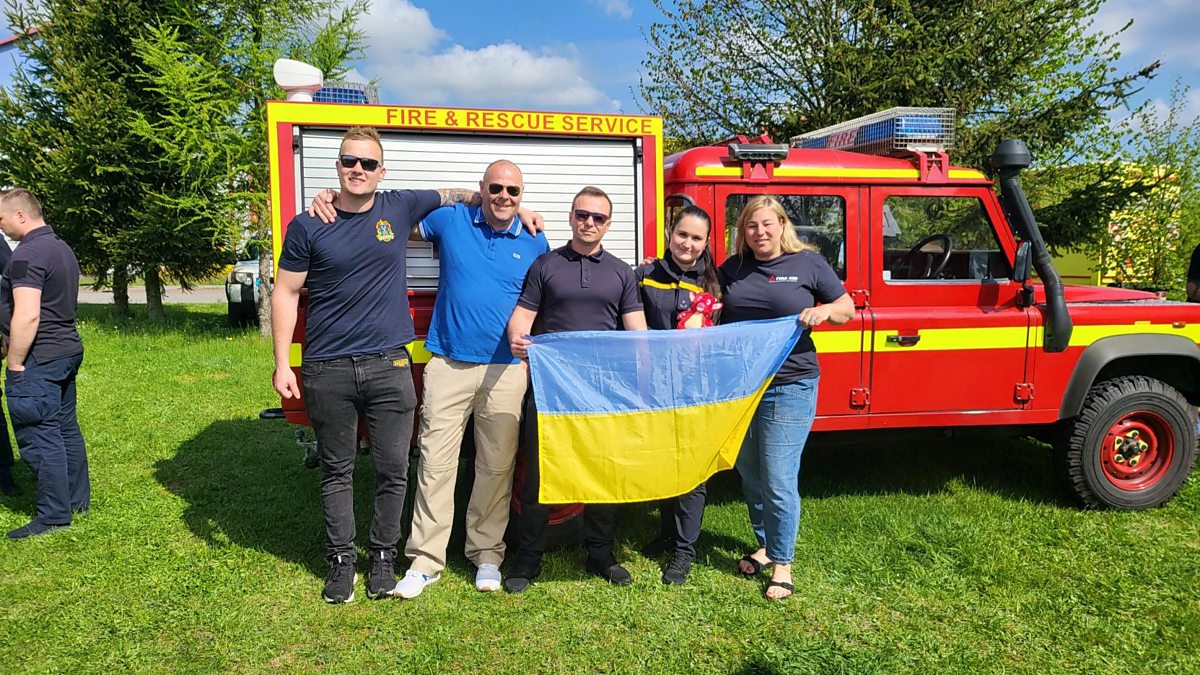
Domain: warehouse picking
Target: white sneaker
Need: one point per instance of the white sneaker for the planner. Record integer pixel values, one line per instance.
(487, 578)
(413, 583)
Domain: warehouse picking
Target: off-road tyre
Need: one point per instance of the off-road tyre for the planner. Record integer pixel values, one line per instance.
(1132, 445)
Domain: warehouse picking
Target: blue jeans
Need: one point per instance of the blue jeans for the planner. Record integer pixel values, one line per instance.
(769, 464)
(41, 403)
(380, 388)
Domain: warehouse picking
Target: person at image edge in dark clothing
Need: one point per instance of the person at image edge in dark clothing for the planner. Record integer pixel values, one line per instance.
(1193, 276)
(355, 361)
(38, 298)
(577, 287)
(6, 450)
(666, 286)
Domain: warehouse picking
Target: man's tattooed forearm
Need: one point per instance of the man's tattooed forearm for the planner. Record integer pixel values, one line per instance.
(459, 196)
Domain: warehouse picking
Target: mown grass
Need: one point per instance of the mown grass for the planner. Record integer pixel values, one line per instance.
(203, 552)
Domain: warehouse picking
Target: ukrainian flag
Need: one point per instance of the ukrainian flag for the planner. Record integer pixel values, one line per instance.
(631, 416)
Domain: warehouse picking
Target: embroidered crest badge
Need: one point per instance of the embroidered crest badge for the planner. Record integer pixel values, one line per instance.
(383, 231)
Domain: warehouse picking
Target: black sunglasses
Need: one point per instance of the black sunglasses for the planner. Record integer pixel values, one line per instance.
(513, 190)
(582, 216)
(368, 164)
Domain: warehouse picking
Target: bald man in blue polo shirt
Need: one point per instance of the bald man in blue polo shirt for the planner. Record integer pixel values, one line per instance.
(484, 252)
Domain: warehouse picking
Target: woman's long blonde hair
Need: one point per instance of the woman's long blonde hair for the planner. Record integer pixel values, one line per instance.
(789, 242)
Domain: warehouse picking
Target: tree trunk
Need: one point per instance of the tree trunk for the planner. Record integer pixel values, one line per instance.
(265, 267)
(120, 288)
(154, 295)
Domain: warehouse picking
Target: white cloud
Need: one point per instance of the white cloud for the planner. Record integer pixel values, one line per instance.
(619, 8)
(1162, 29)
(405, 53)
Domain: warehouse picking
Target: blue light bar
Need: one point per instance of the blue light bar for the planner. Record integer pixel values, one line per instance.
(883, 133)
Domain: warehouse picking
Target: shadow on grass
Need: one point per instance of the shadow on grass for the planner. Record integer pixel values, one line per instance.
(190, 320)
(245, 485)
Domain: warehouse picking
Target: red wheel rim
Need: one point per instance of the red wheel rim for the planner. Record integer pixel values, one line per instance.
(1137, 450)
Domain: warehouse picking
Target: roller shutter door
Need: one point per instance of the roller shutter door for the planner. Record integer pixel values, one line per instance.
(554, 169)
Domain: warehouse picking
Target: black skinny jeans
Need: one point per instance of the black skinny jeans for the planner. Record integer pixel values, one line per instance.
(378, 387)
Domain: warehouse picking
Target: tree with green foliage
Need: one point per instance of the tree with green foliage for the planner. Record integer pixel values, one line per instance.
(1150, 240)
(1029, 69)
(140, 125)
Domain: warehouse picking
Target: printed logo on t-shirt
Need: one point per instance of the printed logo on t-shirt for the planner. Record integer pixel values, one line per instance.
(517, 256)
(783, 279)
(383, 231)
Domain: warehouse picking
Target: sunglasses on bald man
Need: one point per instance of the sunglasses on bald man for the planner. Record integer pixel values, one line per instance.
(513, 190)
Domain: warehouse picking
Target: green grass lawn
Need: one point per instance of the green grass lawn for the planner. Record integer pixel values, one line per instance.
(203, 552)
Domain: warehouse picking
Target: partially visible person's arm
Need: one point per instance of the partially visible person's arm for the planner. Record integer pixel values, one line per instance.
(519, 325)
(26, 315)
(285, 299)
(837, 312)
(634, 320)
(1193, 291)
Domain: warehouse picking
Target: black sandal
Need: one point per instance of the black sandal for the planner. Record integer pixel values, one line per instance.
(757, 566)
(781, 584)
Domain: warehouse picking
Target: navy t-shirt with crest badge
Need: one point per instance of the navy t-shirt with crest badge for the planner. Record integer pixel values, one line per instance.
(357, 275)
(781, 287)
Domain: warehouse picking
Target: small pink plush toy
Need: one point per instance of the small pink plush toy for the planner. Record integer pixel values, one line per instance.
(699, 314)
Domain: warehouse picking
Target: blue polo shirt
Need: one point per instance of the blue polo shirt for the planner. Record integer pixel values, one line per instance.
(357, 275)
(479, 280)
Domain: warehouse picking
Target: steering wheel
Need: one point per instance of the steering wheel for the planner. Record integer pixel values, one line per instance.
(934, 261)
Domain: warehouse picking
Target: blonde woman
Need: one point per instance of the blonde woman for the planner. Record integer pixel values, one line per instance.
(773, 274)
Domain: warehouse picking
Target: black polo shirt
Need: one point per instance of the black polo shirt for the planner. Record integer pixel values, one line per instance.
(666, 290)
(44, 261)
(357, 275)
(571, 291)
(781, 287)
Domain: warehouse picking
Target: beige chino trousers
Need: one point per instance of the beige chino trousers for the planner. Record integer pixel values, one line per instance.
(454, 390)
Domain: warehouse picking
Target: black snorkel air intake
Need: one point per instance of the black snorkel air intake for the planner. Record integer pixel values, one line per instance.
(1009, 158)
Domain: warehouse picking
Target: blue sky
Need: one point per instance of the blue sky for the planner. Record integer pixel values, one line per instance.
(586, 54)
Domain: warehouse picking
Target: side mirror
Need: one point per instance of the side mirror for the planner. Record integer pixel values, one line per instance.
(1023, 263)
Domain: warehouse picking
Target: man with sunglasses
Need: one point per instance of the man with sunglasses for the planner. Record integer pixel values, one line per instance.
(355, 360)
(484, 252)
(579, 286)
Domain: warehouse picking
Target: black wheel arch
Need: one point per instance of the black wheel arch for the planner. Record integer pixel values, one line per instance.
(1172, 359)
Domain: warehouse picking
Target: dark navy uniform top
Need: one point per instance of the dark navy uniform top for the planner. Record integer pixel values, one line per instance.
(44, 261)
(571, 291)
(666, 290)
(777, 288)
(357, 275)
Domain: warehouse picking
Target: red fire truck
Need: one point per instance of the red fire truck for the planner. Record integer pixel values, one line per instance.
(952, 329)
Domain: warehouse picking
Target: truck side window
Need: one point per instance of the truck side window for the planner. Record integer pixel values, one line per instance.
(819, 220)
(939, 238)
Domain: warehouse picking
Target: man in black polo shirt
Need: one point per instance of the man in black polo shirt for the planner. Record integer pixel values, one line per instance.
(577, 287)
(38, 296)
(355, 361)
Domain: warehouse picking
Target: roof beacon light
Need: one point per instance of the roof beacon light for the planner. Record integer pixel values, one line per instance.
(758, 152)
(298, 79)
(919, 130)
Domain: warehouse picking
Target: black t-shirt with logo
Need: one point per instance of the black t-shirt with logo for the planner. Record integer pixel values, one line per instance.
(357, 275)
(571, 291)
(44, 261)
(776, 288)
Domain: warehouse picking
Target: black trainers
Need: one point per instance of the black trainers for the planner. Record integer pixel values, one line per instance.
(339, 587)
(34, 529)
(657, 547)
(679, 569)
(611, 571)
(381, 577)
(523, 573)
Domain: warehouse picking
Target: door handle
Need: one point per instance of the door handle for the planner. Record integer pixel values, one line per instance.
(904, 340)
